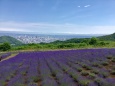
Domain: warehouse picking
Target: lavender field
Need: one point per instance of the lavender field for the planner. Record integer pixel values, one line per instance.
(85, 67)
(5, 55)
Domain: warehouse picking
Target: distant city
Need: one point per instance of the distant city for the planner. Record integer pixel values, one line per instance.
(45, 38)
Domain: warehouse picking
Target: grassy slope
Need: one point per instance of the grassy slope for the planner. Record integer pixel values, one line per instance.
(108, 37)
(9, 39)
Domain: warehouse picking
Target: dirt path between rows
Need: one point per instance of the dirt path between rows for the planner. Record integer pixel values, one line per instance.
(11, 56)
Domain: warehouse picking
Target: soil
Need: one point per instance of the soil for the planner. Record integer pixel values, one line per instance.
(9, 57)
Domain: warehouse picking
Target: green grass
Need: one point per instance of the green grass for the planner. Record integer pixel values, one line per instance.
(51, 46)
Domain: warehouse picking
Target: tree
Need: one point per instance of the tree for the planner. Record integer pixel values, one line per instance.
(93, 41)
(85, 41)
(102, 43)
(5, 46)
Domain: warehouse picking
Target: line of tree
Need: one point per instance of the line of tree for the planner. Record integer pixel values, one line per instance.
(71, 43)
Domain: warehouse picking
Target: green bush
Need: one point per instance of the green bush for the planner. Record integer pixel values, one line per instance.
(84, 73)
(79, 69)
(93, 41)
(66, 45)
(104, 74)
(109, 57)
(84, 82)
(113, 72)
(102, 43)
(5, 46)
(86, 41)
(92, 75)
(82, 45)
(101, 82)
(88, 68)
(36, 79)
(94, 71)
(75, 76)
(95, 64)
(84, 65)
(105, 63)
(113, 60)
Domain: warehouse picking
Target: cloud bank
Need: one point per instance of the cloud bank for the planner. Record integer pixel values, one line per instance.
(55, 28)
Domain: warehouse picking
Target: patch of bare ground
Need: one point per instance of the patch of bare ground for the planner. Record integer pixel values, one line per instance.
(39, 83)
(112, 76)
(11, 56)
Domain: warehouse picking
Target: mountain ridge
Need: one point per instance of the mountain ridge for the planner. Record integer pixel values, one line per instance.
(110, 37)
(10, 40)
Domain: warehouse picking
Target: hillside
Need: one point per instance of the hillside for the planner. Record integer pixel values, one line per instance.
(73, 40)
(10, 40)
(110, 37)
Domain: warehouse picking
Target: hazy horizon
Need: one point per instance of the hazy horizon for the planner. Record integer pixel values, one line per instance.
(37, 33)
(58, 16)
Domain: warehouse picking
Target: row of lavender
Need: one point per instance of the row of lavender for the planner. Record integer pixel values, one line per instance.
(85, 67)
(4, 55)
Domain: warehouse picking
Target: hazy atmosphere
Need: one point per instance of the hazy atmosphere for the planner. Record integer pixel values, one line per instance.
(58, 16)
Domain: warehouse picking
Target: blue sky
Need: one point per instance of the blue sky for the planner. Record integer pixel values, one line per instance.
(58, 16)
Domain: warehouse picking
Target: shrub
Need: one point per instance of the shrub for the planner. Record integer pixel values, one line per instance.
(24, 73)
(5, 46)
(75, 76)
(79, 69)
(36, 79)
(82, 45)
(100, 66)
(95, 64)
(85, 41)
(98, 81)
(84, 73)
(88, 68)
(101, 82)
(102, 43)
(93, 41)
(109, 57)
(113, 60)
(95, 71)
(8, 78)
(84, 82)
(92, 75)
(104, 74)
(3, 83)
(105, 63)
(84, 66)
(113, 72)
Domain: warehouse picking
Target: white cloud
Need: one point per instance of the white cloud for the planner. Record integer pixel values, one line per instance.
(78, 6)
(55, 28)
(10, 29)
(87, 5)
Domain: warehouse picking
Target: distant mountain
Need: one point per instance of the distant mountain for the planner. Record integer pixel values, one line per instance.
(110, 37)
(10, 40)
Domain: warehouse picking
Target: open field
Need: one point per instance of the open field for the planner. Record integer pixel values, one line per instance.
(83, 67)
